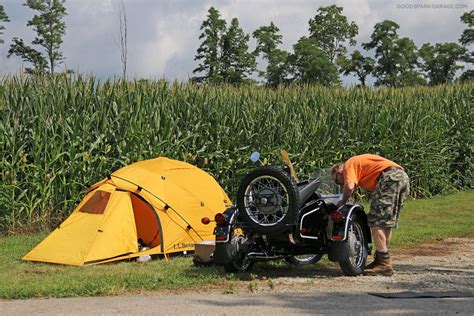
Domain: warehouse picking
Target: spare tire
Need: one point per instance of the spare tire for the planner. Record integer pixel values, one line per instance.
(267, 200)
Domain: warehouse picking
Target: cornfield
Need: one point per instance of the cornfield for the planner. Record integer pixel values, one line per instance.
(59, 135)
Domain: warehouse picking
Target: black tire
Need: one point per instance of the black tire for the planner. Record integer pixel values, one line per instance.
(200, 264)
(285, 202)
(238, 266)
(310, 259)
(239, 263)
(355, 264)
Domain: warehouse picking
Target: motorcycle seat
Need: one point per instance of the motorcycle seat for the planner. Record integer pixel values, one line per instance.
(308, 190)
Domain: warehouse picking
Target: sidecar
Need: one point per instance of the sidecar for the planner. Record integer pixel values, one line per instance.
(277, 217)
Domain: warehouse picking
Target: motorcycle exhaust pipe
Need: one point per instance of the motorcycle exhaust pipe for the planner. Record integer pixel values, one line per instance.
(261, 256)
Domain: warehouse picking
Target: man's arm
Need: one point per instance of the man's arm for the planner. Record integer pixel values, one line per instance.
(349, 188)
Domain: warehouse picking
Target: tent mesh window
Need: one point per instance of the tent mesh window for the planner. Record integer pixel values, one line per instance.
(97, 203)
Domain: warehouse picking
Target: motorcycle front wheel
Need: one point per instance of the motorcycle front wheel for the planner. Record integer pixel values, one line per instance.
(359, 249)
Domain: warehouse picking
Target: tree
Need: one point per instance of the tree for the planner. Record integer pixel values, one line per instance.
(396, 58)
(3, 18)
(330, 30)
(467, 36)
(268, 39)
(310, 64)
(358, 64)
(466, 76)
(440, 61)
(411, 77)
(30, 55)
(237, 62)
(209, 50)
(406, 57)
(50, 28)
(383, 40)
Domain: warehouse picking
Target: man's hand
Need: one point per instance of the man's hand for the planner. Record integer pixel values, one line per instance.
(349, 188)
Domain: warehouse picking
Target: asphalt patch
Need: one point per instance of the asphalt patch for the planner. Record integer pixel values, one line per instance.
(409, 294)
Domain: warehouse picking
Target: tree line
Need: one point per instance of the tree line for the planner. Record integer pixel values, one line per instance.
(224, 55)
(322, 56)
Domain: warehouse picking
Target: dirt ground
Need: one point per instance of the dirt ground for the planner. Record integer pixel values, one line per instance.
(445, 265)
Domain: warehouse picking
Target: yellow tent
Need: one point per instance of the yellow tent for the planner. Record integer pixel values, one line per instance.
(155, 203)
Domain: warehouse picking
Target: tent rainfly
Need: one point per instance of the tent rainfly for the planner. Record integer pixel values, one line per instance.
(155, 203)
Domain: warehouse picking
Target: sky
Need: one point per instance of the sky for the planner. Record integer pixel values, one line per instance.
(163, 35)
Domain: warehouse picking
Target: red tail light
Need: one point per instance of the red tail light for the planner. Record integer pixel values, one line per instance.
(304, 231)
(337, 237)
(220, 219)
(205, 220)
(221, 238)
(337, 216)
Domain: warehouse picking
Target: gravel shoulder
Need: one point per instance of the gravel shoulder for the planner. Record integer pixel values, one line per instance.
(445, 265)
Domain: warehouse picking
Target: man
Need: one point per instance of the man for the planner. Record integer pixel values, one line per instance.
(391, 186)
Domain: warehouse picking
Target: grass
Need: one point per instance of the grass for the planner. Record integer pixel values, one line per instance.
(435, 218)
(20, 279)
(421, 220)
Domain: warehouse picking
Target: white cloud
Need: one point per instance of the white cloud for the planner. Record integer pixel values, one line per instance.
(157, 54)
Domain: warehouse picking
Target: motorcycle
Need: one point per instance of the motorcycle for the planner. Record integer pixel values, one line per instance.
(278, 216)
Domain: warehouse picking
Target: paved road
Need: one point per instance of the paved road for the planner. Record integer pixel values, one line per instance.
(236, 304)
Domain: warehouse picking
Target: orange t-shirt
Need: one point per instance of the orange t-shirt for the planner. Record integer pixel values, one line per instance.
(364, 170)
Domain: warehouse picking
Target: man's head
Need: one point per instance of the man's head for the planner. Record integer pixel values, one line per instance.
(336, 173)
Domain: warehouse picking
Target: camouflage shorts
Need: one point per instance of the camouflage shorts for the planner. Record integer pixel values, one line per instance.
(392, 188)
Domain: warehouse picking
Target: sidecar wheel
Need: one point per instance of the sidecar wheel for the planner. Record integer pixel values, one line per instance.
(303, 260)
(238, 266)
(267, 200)
(239, 263)
(356, 237)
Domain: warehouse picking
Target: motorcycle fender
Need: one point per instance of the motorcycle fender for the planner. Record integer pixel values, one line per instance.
(339, 251)
(224, 253)
(341, 229)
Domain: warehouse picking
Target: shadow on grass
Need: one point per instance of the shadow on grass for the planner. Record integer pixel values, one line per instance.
(276, 269)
